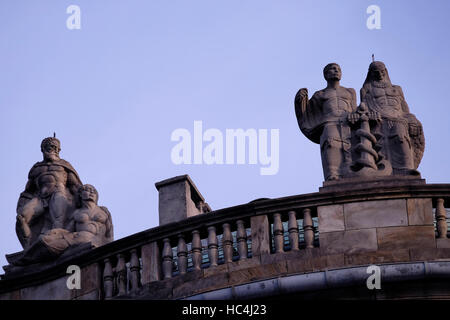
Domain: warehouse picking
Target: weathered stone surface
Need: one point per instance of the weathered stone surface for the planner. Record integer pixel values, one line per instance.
(301, 254)
(93, 295)
(420, 212)
(217, 269)
(396, 238)
(364, 183)
(260, 235)
(216, 281)
(335, 261)
(275, 257)
(258, 273)
(299, 266)
(373, 214)
(317, 259)
(426, 254)
(90, 279)
(52, 290)
(187, 277)
(352, 241)
(179, 199)
(331, 218)
(377, 257)
(160, 290)
(151, 262)
(443, 243)
(244, 264)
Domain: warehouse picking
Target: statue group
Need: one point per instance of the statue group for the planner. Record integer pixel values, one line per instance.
(56, 211)
(380, 137)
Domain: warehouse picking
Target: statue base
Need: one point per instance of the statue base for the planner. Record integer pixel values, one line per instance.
(15, 271)
(357, 183)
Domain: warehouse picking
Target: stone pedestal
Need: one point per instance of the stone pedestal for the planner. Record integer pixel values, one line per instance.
(179, 199)
(385, 225)
(370, 183)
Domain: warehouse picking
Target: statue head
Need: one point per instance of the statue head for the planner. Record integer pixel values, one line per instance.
(377, 72)
(50, 148)
(332, 71)
(88, 192)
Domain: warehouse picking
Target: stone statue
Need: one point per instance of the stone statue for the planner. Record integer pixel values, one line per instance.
(88, 224)
(57, 212)
(323, 119)
(379, 138)
(400, 135)
(48, 196)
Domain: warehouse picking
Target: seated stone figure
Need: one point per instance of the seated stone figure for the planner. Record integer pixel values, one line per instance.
(48, 198)
(89, 223)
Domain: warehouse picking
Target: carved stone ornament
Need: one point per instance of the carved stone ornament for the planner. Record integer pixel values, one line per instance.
(56, 211)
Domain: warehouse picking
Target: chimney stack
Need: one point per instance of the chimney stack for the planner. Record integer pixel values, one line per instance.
(179, 199)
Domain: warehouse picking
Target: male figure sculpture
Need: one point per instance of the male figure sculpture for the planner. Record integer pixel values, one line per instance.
(88, 224)
(48, 196)
(323, 120)
(92, 223)
(401, 138)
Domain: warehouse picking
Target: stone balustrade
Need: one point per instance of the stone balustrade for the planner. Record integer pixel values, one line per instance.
(260, 240)
(206, 247)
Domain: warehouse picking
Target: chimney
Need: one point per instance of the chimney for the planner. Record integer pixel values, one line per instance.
(179, 199)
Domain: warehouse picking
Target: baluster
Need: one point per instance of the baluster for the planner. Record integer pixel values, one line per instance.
(227, 243)
(115, 280)
(167, 256)
(135, 268)
(242, 240)
(308, 228)
(121, 274)
(196, 250)
(108, 285)
(293, 230)
(441, 219)
(182, 254)
(278, 233)
(213, 251)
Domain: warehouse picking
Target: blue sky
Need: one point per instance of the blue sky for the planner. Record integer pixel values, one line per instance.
(116, 89)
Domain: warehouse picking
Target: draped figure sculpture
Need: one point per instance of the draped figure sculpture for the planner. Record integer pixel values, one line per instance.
(400, 135)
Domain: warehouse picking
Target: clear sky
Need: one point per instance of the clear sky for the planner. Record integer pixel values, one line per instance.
(116, 89)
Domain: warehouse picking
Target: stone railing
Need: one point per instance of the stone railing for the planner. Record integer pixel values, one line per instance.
(205, 246)
(260, 240)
